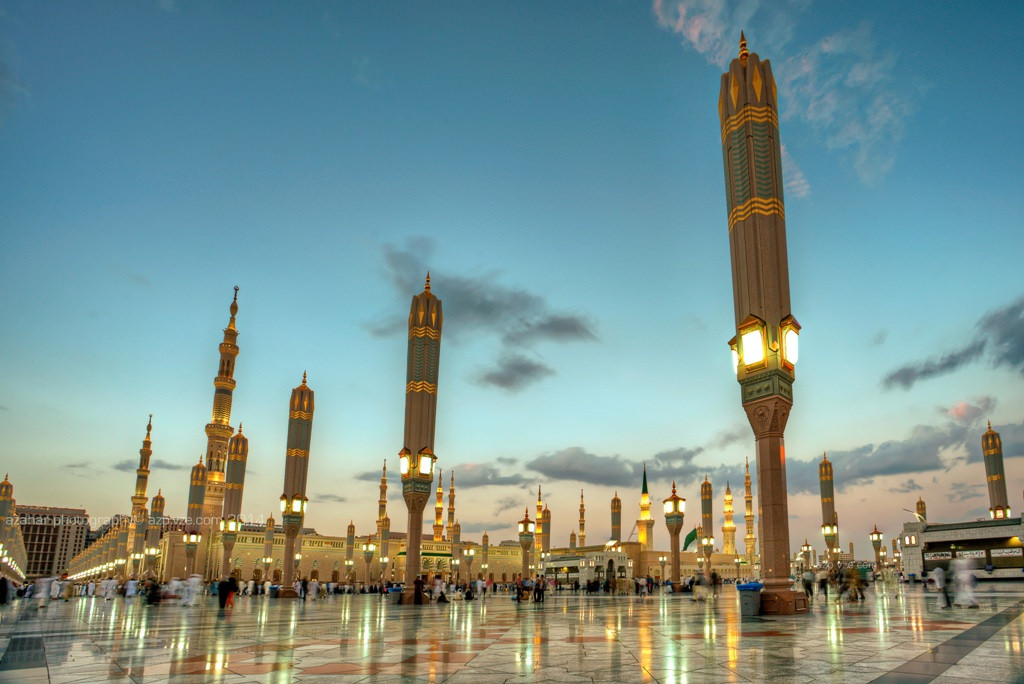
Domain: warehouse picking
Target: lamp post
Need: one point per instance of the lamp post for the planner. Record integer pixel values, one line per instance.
(368, 550)
(543, 566)
(192, 540)
(293, 509)
(876, 543)
(707, 544)
(526, 530)
(661, 561)
(806, 550)
(675, 507)
(830, 532)
(736, 560)
(383, 566)
(229, 533)
(350, 571)
(456, 570)
(883, 556)
(469, 563)
(266, 560)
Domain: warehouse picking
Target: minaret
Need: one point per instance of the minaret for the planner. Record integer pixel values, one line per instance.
(231, 525)
(417, 454)
(350, 547)
(439, 509)
(140, 517)
(616, 518)
(193, 518)
(582, 537)
(268, 547)
(765, 341)
(992, 449)
(748, 516)
(301, 405)
(382, 500)
(729, 528)
(219, 430)
(155, 529)
(707, 524)
(485, 547)
(451, 506)
(645, 525)
(829, 519)
(921, 510)
(546, 527)
(538, 539)
(572, 539)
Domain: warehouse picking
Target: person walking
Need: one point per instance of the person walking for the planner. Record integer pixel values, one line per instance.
(938, 575)
(823, 583)
(5, 588)
(808, 580)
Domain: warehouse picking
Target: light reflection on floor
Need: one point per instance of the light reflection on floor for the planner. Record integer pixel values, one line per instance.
(568, 638)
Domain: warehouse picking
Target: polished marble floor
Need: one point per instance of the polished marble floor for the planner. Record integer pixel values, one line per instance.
(566, 639)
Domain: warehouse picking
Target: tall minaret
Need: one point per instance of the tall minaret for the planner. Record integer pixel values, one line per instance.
(581, 538)
(382, 500)
(219, 430)
(155, 529)
(921, 510)
(829, 518)
(707, 524)
(417, 457)
(729, 528)
(572, 539)
(451, 506)
(140, 518)
(538, 539)
(234, 483)
(765, 336)
(439, 509)
(301, 405)
(748, 516)
(992, 449)
(545, 526)
(616, 518)
(645, 525)
(350, 547)
(485, 548)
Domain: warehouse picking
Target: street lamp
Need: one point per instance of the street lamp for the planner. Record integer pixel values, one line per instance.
(675, 507)
(661, 561)
(736, 560)
(708, 544)
(368, 550)
(417, 471)
(383, 566)
(192, 540)
(469, 563)
(455, 564)
(830, 531)
(806, 549)
(350, 571)
(876, 542)
(293, 512)
(526, 530)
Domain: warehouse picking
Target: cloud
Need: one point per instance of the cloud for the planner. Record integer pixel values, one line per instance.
(508, 502)
(966, 412)
(160, 464)
(478, 306)
(332, 498)
(514, 372)
(507, 460)
(729, 437)
(962, 491)
(909, 375)
(4, 408)
(574, 463)
(82, 469)
(126, 466)
(879, 338)
(484, 475)
(842, 86)
(796, 183)
(471, 527)
(906, 487)
(999, 336)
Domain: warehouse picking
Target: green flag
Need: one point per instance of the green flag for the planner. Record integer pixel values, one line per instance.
(691, 537)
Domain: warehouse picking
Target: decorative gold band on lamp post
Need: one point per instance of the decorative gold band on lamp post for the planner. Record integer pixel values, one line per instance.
(526, 530)
(675, 508)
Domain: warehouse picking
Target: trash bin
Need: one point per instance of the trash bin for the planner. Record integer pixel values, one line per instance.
(750, 598)
(273, 591)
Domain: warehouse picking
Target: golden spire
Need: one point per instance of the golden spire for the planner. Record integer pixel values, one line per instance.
(426, 287)
(743, 49)
(673, 487)
(824, 456)
(149, 426)
(234, 310)
(303, 377)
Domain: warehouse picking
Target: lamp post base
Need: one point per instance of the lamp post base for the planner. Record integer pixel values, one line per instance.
(783, 602)
(287, 592)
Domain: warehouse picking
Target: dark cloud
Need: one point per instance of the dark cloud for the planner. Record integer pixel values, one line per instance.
(906, 487)
(506, 502)
(369, 476)
(727, 438)
(907, 376)
(331, 498)
(82, 469)
(479, 305)
(962, 491)
(483, 475)
(513, 372)
(678, 456)
(4, 408)
(581, 466)
(160, 464)
(967, 412)
(126, 466)
(507, 460)
(1000, 337)
(487, 526)
(879, 338)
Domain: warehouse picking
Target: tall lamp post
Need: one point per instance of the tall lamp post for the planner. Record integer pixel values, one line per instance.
(368, 550)
(192, 540)
(707, 544)
(736, 560)
(876, 543)
(293, 500)
(765, 344)
(469, 563)
(675, 508)
(350, 571)
(526, 530)
(383, 567)
(661, 561)
(830, 532)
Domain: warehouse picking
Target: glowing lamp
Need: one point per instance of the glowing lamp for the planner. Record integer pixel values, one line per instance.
(426, 465)
(790, 330)
(403, 465)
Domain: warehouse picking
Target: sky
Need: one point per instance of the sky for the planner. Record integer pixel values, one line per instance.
(558, 170)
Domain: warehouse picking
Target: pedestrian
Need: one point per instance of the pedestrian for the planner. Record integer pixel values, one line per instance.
(961, 570)
(90, 590)
(5, 588)
(232, 591)
(938, 575)
(808, 580)
(823, 583)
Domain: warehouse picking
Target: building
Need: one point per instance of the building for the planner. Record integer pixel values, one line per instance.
(52, 537)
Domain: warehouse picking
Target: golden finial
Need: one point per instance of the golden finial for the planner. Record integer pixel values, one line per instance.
(989, 424)
(743, 49)
(673, 487)
(149, 425)
(824, 456)
(426, 287)
(239, 427)
(303, 377)
(234, 303)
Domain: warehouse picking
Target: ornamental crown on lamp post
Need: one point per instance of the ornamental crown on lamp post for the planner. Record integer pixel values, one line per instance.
(674, 504)
(526, 526)
(876, 536)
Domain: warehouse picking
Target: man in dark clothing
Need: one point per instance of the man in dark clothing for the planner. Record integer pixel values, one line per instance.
(418, 600)
(223, 587)
(4, 590)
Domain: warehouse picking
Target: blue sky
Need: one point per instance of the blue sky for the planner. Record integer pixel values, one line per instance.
(558, 169)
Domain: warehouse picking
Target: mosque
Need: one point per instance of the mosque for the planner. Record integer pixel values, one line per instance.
(213, 539)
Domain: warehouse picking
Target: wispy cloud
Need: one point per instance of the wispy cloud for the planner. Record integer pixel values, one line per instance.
(505, 503)
(999, 337)
(962, 491)
(481, 306)
(843, 86)
(796, 183)
(906, 487)
(967, 412)
(329, 498)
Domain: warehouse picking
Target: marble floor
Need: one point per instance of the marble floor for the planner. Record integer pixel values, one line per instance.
(566, 639)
